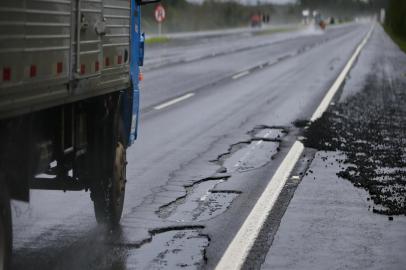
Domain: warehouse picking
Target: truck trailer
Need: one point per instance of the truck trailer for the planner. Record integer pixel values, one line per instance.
(69, 101)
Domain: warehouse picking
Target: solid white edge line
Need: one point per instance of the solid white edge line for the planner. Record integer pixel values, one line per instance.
(238, 250)
(173, 101)
(340, 79)
(241, 74)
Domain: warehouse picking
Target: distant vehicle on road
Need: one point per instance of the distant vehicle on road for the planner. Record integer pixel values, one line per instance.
(318, 20)
(256, 20)
(69, 100)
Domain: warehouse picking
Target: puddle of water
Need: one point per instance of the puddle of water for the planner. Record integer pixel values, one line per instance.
(199, 204)
(170, 250)
(253, 156)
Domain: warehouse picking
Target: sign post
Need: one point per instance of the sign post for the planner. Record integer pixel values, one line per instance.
(160, 15)
(306, 14)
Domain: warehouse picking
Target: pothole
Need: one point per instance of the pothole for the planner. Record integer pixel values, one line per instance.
(171, 249)
(254, 153)
(253, 156)
(272, 134)
(201, 202)
(268, 132)
(233, 148)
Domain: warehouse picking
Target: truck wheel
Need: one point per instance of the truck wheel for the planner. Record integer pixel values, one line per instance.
(5, 228)
(109, 204)
(108, 194)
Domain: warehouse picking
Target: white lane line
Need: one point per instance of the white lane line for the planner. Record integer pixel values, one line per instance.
(173, 101)
(239, 75)
(340, 79)
(239, 248)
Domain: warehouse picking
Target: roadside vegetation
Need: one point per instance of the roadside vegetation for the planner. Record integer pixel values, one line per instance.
(276, 30)
(182, 15)
(155, 40)
(395, 22)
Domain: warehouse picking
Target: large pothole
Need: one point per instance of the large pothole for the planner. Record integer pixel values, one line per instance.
(199, 203)
(171, 249)
(201, 200)
(254, 153)
(253, 156)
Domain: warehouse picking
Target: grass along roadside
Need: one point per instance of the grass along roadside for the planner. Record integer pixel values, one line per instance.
(156, 40)
(276, 30)
(165, 38)
(400, 41)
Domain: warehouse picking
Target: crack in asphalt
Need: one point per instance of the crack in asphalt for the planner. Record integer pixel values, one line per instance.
(200, 200)
(176, 238)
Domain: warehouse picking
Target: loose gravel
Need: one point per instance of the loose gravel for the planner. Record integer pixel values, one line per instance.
(370, 129)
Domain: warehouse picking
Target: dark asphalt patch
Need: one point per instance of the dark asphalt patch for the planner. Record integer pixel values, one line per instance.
(370, 129)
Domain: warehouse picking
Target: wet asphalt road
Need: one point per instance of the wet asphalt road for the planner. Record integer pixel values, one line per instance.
(349, 209)
(200, 163)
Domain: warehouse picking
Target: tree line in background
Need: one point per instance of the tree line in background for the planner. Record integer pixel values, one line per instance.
(396, 17)
(212, 14)
(185, 16)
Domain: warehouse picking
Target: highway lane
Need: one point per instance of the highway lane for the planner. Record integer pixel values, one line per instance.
(196, 46)
(189, 48)
(206, 143)
(233, 55)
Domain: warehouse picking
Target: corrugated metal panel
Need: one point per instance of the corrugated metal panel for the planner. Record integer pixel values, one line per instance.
(35, 35)
(39, 55)
(90, 52)
(116, 42)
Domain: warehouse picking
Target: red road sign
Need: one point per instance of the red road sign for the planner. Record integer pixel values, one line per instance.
(160, 13)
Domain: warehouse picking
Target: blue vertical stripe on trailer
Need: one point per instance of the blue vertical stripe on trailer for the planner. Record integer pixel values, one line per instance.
(135, 37)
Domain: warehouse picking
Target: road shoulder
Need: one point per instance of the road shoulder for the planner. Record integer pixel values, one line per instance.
(327, 226)
(333, 223)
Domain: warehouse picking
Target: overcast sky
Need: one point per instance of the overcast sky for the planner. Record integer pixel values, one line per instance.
(256, 1)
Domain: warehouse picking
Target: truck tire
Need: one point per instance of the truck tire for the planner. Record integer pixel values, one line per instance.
(5, 228)
(109, 190)
(109, 198)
